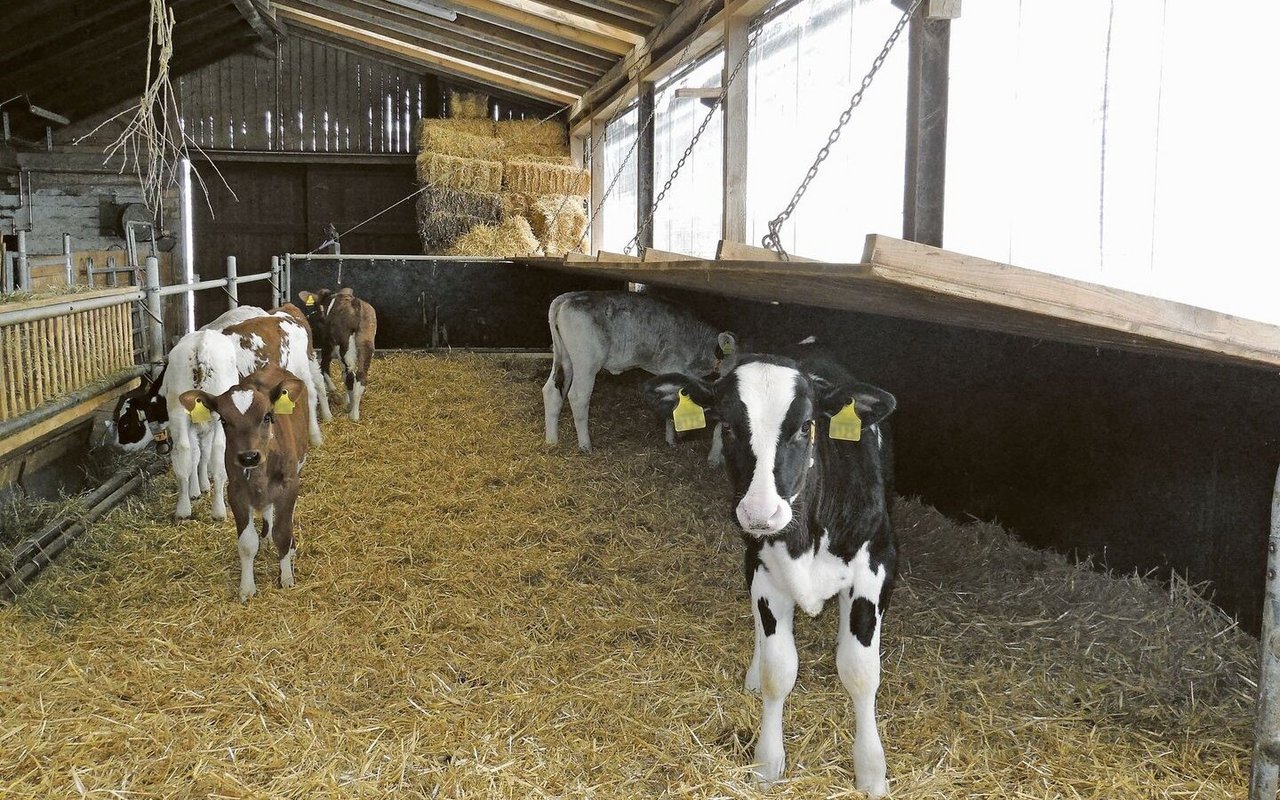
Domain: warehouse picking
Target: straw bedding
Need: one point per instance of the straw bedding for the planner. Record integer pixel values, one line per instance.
(478, 615)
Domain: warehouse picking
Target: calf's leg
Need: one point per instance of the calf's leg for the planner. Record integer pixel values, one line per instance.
(552, 403)
(246, 544)
(183, 457)
(218, 472)
(318, 388)
(858, 662)
(774, 613)
(716, 457)
(580, 403)
(282, 536)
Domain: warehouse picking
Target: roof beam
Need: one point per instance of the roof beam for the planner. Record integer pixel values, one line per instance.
(40, 33)
(426, 57)
(251, 13)
(489, 33)
(615, 18)
(574, 20)
(501, 13)
(504, 60)
(651, 11)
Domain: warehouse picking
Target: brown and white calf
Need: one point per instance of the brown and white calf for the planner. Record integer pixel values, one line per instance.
(266, 441)
(278, 339)
(814, 513)
(345, 326)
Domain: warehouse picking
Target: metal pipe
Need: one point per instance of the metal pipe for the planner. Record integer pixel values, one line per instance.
(24, 265)
(1266, 735)
(69, 307)
(66, 254)
(38, 543)
(261, 276)
(232, 288)
(286, 279)
(9, 427)
(155, 329)
(191, 288)
(10, 265)
(276, 277)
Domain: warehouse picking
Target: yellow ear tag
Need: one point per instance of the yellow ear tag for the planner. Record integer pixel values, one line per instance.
(283, 404)
(846, 425)
(311, 301)
(200, 412)
(728, 351)
(688, 415)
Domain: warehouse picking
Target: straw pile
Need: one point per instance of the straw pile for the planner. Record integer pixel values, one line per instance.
(558, 221)
(478, 615)
(541, 177)
(511, 237)
(461, 174)
(468, 105)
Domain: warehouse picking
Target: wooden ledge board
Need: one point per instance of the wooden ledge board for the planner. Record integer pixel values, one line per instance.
(912, 281)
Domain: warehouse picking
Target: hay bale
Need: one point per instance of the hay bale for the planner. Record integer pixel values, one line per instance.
(518, 133)
(453, 142)
(512, 237)
(564, 161)
(540, 177)
(515, 150)
(559, 221)
(516, 204)
(462, 174)
(438, 232)
(471, 127)
(468, 105)
(488, 206)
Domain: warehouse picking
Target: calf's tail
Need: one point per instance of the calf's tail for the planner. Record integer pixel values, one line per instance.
(561, 366)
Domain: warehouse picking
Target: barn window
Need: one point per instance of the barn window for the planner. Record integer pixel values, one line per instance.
(619, 208)
(807, 62)
(1116, 144)
(688, 220)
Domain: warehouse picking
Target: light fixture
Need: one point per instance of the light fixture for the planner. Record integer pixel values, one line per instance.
(47, 114)
(426, 7)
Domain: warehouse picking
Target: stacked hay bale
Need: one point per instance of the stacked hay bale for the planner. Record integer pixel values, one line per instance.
(497, 188)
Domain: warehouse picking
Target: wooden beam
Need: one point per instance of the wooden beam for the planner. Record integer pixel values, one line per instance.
(604, 256)
(513, 62)
(413, 52)
(729, 250)
(650, 11)
(77, 413)
(46, 37)
(609, 12)
(653, 255)
(736, 130)
(249, 10)
(644, 165)
(576, 20)
(504, 14)
(926, 157)
(599, 128)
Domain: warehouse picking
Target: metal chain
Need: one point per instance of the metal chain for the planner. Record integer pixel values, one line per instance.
(773, 239)
(666, 187)
(621, 108)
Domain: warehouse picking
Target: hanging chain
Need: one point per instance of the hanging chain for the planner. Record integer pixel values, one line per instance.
(773, 239)
(719, 101)
(622, 107)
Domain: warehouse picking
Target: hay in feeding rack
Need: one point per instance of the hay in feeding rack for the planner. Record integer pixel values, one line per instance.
(511, 237)
(479, 615)
(438, 139)
(437, 127)
(540, 177)
(521, 133)
(461, 174)
(468, 105)
(559, 222)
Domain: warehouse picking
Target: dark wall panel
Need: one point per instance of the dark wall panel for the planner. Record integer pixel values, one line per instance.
(1141, 462)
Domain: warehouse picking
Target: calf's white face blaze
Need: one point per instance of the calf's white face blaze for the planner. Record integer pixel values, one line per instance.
(767, 392)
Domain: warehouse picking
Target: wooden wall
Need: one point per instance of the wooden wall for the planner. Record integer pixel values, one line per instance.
(311, 98)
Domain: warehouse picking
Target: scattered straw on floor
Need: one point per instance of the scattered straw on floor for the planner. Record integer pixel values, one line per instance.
(511, 237)
(479, 615)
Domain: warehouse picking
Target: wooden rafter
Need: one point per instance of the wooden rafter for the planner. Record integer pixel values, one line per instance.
(574, 20)
(566, 32)
(451, 65)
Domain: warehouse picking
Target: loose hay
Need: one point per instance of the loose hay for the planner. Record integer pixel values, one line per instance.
(511, 237)
(478, 615)
(461, 174)
(450, 142)
(468, 105)
(559, 222)
(540, 177)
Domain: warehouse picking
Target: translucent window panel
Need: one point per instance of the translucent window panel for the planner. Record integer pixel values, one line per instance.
(1118, 143)
(689, 218)
(806, 64)
(619, 208)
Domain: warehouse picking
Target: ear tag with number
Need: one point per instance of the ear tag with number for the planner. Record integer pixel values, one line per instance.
(846, 425)
(688, 415)
(283, 405)
(200, 412)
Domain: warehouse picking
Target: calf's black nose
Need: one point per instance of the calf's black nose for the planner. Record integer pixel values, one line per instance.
(249, 458)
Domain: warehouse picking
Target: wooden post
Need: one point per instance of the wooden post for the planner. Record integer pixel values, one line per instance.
(734, 219)
(644, 164)
(1266, 742)
(598, 182)
(926, 168)
(233, 288)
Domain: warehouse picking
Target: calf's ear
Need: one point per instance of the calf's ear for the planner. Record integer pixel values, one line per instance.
(727, 341)
(309, 298)
(198, 404)
(662, 393)
(285, 395)
(348, 291)
(872, 403)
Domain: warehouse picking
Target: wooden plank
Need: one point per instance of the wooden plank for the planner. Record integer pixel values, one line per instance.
(604, 256)
(70, 416)
(579, 21)
(736, 130)
(599, 130)
(499, 12)
(579, 258)
(654, 255)
(645, 121)
(736, 251)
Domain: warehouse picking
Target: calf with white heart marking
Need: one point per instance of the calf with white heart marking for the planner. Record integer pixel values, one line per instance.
(814, 513)
(266, 443)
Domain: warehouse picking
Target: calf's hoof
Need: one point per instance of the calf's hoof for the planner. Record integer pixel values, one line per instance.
(874, 789)
(769, 767)
(246, 592)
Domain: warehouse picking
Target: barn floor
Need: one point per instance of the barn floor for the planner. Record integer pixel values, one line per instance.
(478, 615)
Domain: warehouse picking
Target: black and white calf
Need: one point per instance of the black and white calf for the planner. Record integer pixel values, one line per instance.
(814, 512)
(617, 331)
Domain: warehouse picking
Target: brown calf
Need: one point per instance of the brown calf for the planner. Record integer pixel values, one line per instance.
(266, 444)
(279, 340)
(344, 325)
